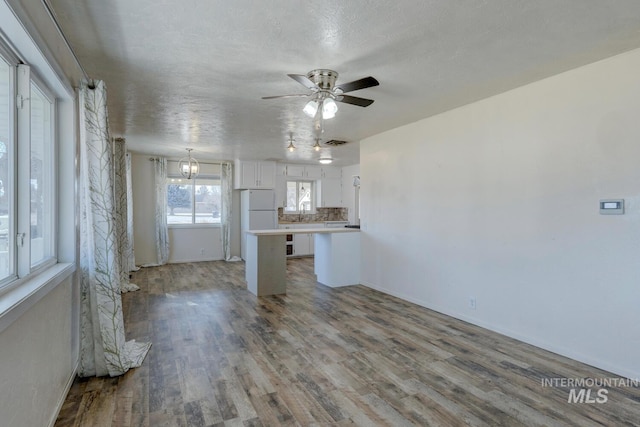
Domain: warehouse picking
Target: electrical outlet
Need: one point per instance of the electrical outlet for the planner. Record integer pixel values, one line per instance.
(472, 303)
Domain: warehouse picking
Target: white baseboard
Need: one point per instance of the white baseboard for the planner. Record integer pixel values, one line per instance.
(63, 396)
(181, 261)
(563, 351)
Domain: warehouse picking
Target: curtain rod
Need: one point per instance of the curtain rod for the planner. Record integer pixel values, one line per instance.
(73, 53)
(214, 162)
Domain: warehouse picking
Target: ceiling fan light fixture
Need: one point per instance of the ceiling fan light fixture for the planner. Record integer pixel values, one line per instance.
(311, 108)
(329, 109)
(325, 160)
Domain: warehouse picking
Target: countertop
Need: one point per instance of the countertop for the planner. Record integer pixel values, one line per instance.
(302, 231)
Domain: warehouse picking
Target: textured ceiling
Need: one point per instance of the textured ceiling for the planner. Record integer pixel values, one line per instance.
(191, 73)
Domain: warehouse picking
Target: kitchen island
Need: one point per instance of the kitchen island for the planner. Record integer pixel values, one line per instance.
(337, 258)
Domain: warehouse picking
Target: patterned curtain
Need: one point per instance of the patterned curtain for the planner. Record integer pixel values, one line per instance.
(131, 256)
(121, 213)
(162, 230)
(103, 349)
(225, 217)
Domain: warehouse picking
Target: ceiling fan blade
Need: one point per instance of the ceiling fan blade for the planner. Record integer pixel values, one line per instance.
(286, 96)
(358, 84)
(304, 81)
(355, 100)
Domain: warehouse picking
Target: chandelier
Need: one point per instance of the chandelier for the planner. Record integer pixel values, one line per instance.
(188, 166)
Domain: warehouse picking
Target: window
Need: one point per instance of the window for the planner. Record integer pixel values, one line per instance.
(300, 196)
(27, 178)
(193, 201)
(41, 180)
(6, 186)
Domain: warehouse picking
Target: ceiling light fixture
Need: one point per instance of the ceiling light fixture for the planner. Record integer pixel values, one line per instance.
(188, 166)
(311, 108)
(325, 160)
(324, 102)
(317, 145)
(291, 147)
(329, 108)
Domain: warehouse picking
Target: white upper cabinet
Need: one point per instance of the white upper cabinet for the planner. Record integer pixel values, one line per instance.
(281, 169)
(331, 172)
(330, 193)
(328, 179)
(313, 172)
(267, 175)
(281, 191)
(254, 174)
(296, 171)
(303, 171)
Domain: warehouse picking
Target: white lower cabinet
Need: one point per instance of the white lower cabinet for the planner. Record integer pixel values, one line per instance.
(299, 244)
(302, 244)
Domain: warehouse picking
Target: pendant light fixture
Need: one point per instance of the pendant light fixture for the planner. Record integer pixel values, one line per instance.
(317, 145)
(291, 147)
(188, 166)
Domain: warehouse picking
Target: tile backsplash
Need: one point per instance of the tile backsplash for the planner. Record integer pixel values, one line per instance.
(321, 215)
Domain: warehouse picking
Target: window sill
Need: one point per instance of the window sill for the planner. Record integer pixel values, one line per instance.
(201, 225)
(22, 296)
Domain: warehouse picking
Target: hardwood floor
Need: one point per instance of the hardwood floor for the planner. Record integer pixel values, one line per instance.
(323, 356)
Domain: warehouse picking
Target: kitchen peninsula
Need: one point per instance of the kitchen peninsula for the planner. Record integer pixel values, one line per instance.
(337, 258)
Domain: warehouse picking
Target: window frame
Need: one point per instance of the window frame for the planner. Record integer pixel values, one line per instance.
(10, 186)
(52, 257)
(193, 182)
(22, 77)
(20, 42)
(312, 194)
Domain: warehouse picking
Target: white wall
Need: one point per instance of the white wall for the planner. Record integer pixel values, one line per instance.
(38, 360)
(195, 244)
(186, 244)
(39, 336)
(143, 189)
(348, 190)
(498, 200)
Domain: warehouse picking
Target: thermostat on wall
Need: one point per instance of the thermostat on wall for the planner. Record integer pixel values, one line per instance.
(612, 207)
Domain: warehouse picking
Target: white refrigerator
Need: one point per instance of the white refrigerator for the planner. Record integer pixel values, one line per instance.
(258, 212)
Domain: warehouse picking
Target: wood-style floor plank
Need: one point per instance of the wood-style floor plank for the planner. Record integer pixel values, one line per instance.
(323, 356)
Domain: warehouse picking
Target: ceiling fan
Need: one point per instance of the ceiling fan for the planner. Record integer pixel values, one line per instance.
(325, 92)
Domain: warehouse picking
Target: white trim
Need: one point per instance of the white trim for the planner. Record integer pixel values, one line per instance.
(63, 395)
(23, 175)
(196, 225)
(184, 261)
(24, 295)
(10, 184)
(540, 343)
(31, 47)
